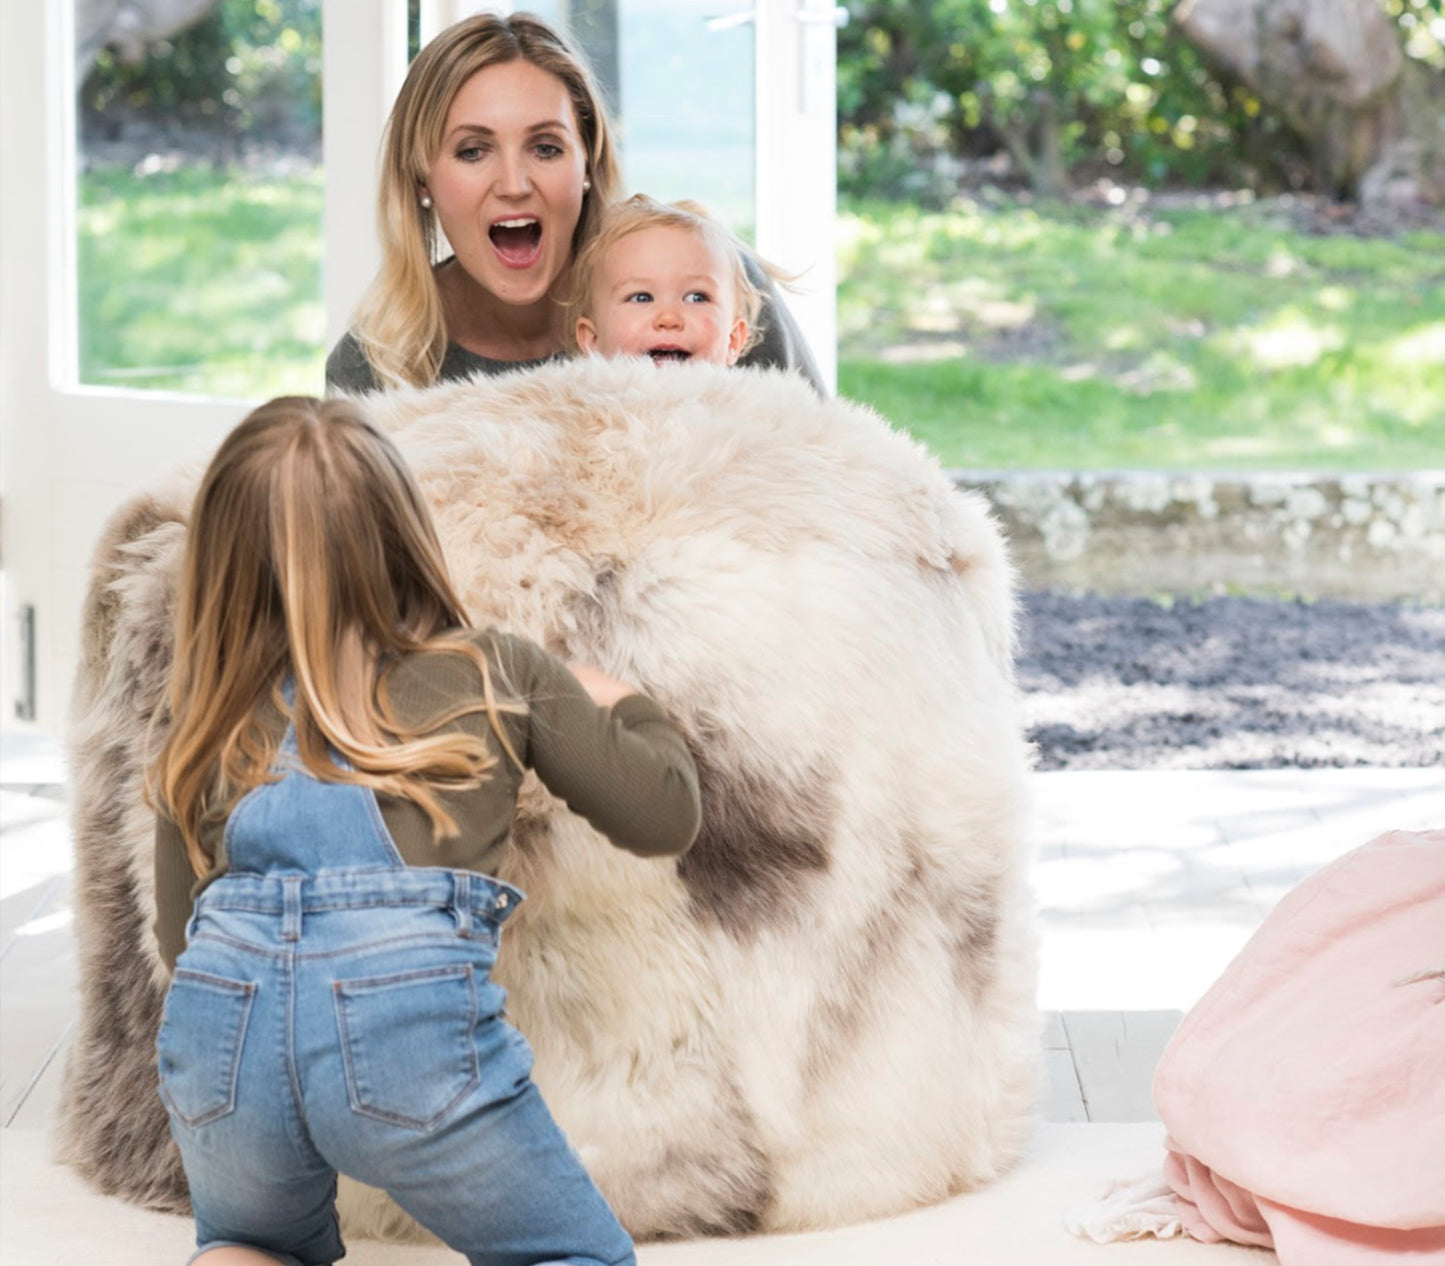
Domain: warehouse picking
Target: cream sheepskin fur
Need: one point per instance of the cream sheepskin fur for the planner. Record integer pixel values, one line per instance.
(824, 1013)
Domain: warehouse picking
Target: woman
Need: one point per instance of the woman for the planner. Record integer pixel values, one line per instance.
(498, 140)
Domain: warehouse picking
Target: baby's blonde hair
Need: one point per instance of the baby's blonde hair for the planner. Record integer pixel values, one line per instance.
(639, 212)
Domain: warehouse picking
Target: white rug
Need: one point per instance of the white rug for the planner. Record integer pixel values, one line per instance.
(49, 1216)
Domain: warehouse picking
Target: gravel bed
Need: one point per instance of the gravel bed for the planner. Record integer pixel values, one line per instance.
(1232, 683)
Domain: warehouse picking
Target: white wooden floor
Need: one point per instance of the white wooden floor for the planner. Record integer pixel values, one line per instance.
(1147, 885)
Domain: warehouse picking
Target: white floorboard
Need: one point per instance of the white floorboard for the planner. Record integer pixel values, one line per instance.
(37, 1109)
(1063, 1096)
(1114, 1056)
(38, 1000)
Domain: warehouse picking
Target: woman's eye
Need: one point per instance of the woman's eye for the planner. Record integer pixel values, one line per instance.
(638, 296)
(546, 150)
(471, 153)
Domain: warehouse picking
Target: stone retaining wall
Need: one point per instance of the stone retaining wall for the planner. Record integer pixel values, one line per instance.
(1360, 537)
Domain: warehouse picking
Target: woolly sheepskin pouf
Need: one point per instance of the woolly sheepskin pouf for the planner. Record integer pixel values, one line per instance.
(824, 1013)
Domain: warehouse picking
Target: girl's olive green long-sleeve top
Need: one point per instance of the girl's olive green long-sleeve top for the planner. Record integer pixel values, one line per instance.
(625, 769)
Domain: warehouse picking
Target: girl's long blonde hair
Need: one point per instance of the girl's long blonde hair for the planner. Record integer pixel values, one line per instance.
(311, 552)
(399, 322)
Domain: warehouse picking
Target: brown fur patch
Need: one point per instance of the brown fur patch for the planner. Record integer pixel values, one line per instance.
(968, 915)
(759, 844)
(737, 1206)
(113, 1126)
(849, 1007)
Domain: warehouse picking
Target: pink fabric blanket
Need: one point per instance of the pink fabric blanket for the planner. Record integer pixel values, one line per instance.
(1305, 1094)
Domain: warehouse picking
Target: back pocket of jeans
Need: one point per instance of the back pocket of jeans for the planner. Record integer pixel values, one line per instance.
(198, 1048)
(408, 1045)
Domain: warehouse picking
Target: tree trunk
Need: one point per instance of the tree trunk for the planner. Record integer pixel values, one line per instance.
(1334, 70)
(1032, 139)
(594, 24)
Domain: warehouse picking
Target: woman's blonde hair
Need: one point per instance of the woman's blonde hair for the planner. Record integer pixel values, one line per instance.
(311, 552)
(639, 212)
(399, 323)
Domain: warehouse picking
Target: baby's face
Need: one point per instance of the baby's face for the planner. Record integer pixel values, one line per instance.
(667, 293)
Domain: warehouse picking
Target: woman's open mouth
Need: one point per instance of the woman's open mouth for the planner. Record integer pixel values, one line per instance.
(517, 241)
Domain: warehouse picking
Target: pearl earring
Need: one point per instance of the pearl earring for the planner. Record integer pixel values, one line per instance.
(426, 202)
(586, 185)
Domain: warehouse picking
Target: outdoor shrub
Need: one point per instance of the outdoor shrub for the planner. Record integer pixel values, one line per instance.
(1063, 87)
(249, 66)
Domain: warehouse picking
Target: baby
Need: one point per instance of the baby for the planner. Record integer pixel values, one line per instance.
(663, 280)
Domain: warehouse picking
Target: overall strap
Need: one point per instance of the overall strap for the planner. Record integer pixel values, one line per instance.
(299, 823)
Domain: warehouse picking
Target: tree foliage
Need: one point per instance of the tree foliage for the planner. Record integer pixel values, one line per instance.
(1065, 87)
(250, 66)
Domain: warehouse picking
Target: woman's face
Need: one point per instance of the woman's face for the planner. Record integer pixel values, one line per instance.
(507, 181)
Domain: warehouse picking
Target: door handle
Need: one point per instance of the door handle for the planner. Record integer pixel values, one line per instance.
(727, 21)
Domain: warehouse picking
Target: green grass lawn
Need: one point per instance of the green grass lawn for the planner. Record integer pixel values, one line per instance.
(1012, 336)
(201, 281)
(1002, 336)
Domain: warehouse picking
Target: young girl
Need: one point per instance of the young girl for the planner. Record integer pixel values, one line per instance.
(663, 280)
(338, 780)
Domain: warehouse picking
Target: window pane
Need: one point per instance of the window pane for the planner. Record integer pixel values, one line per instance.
(679, 74)
(200, 196)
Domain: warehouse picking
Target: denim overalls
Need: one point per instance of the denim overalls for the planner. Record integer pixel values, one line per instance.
(334, 1011)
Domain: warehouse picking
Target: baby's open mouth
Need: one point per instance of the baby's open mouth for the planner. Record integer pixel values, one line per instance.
(668, 355)
(517, 241)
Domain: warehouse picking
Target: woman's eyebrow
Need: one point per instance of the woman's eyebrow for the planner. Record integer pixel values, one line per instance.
(549, 125)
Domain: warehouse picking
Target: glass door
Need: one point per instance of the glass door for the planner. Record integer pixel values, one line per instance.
(679, 77)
